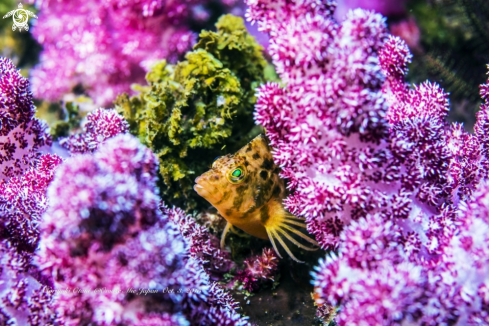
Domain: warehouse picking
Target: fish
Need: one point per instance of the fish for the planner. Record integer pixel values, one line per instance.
(247, 191)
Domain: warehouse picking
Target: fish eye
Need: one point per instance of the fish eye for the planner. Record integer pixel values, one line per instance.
(237, 174)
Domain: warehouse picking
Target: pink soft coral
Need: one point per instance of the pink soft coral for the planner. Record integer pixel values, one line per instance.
(22, 136)
(258, 269)
(25, 176)
(106, 46)
(327, 124)
(375, 169)
(100, 125)
(104, 234)
(429, 265)
(23, 201)
(23, 299)
(204, 246)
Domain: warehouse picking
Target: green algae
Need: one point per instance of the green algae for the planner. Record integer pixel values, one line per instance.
(198, 109)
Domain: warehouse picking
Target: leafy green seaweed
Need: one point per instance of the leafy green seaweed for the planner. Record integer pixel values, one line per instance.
(198, 109)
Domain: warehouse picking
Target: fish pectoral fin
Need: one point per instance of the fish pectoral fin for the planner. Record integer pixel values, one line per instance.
(294, 241)
(233, 229)
(272, 240)
(300, 224)
(300, 234)
(281, 229)
(275, 236)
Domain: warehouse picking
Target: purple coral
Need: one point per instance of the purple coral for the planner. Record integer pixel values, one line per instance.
(100, 125)
(258, 270)
(464, 280)
(326, 125)
(22, 203)
(370, 281)
(23, 300)
(107, 46)
(204, 246)
(105, 235)
(376, 170)
(426, 267)
(22, 136)
(24, 180)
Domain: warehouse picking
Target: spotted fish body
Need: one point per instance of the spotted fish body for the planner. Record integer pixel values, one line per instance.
(246, 189)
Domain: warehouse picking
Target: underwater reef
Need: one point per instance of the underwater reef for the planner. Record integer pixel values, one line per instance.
(191, 111)
(103, 252)
(381, 177)
(101, 226)
(106, 231)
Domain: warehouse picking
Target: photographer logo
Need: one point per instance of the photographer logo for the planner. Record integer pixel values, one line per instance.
(20, 17)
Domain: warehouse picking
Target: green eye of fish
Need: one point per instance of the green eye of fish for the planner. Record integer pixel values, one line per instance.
(236, 175)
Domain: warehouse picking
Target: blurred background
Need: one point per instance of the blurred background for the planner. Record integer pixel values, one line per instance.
(80, 52)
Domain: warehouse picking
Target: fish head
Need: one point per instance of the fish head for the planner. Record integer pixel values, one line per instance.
(239, 183)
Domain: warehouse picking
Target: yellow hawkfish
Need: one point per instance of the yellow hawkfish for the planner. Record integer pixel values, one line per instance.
(247, 191)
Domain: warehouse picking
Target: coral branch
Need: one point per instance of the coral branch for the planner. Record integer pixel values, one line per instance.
(204, 246)
(100, 125)
(104, 230)
(22, 203)
(25, 176)
(21, 134)
(376, 170)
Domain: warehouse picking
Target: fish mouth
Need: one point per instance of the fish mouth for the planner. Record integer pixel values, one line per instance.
(207, 189)
(201, 187)
(198, 189)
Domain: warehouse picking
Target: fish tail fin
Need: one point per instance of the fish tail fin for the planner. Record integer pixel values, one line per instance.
(281, 224)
